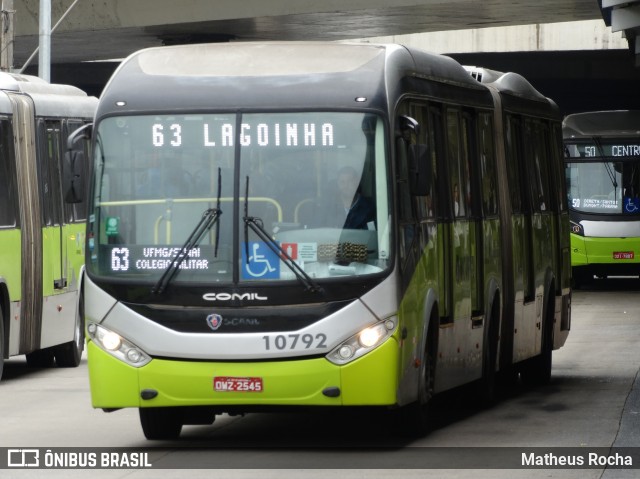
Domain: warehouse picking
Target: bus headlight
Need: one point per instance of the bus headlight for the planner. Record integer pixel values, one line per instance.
(576, 228)
(117, 346)
(361, 343)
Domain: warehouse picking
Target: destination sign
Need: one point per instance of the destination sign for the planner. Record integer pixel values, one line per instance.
(593, 203)
(223, 134)
(605, 150)
(150, 258)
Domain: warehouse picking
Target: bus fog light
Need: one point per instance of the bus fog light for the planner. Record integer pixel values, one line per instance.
(345, 351)
(361, 343)
(117, 346)
(134, 356)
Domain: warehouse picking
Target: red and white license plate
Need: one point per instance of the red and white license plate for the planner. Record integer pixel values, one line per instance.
(233, 384)
(623, 255)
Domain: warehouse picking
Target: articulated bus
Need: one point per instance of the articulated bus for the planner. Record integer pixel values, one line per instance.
(279, 225)
(602, 155)
(41, 232)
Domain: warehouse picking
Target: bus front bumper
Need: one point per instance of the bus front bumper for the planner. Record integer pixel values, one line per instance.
(604, 256)
(368, 381)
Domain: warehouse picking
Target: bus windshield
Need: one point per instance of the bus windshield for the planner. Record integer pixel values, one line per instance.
(232, 196)
(603, 177)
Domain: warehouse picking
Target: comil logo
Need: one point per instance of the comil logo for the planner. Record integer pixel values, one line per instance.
(23, 458)
(233, 297)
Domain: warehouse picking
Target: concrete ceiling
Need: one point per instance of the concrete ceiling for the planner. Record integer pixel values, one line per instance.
(107, 29)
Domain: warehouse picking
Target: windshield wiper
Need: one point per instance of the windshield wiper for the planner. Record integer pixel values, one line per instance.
(209, 219)
(257, 227)
(607, 165)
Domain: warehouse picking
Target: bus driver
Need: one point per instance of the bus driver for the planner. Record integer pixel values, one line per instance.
(352, 210)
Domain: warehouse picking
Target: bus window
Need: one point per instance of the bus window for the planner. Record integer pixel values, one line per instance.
(536, 135)
(458, 165)
(487, 166)
(77, 212)
(49, 172)
(513, 146)
(469, 143)
(437, 150)
(425, 204)
(7, 176)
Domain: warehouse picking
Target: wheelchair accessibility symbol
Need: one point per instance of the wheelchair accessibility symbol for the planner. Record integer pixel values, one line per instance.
(632, 205)
(262, 263)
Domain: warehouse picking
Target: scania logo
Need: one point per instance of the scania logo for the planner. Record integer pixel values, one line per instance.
(233, 297)
(214, 321)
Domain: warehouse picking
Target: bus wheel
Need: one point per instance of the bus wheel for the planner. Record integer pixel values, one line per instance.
(161, 422)
(488, 384)
(68, 355)
(414, 418)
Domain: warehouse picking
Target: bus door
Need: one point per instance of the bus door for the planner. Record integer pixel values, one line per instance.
(461, 248)
(521, 231)
(30, 223)
(544, 253)
(476, 234)
(50, 136)
(74, 214)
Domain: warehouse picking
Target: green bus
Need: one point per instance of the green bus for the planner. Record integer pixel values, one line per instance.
(602, 156)
(42, 236)
(277, 225)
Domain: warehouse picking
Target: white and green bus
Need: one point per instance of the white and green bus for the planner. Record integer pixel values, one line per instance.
(602, 155)
(319, 224)
(41, 232)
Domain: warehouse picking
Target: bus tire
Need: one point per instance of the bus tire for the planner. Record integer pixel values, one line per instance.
(68, 355)
(488, 386)
(414, 417)
(159, 423)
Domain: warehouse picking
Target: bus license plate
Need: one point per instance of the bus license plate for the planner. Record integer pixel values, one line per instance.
(232, 384)
(623, 255)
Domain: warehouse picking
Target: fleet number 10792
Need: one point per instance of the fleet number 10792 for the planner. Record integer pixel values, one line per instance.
(283, 342)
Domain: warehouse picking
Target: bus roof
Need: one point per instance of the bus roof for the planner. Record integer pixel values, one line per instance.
(270, 75)
(602, 123)
(510, 83)
(50, 99)
(517, 93)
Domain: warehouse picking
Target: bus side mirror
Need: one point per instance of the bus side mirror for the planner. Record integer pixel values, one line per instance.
(74, 165)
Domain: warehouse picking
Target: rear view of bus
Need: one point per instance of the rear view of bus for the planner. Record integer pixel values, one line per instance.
(602, 151)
